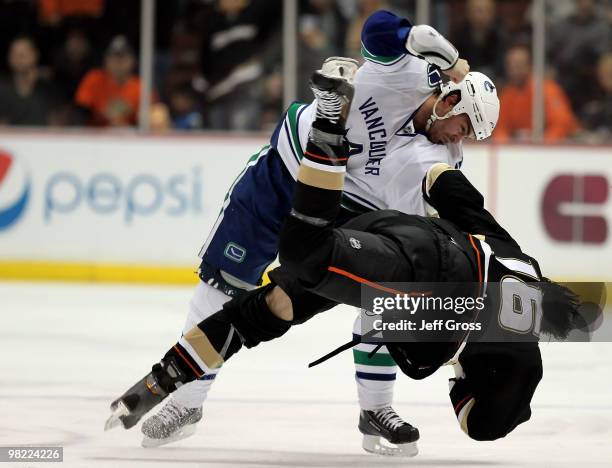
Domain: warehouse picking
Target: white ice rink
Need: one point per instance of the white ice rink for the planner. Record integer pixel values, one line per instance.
(67, 351)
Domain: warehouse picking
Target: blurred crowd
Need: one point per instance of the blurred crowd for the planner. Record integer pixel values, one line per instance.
(218, 63)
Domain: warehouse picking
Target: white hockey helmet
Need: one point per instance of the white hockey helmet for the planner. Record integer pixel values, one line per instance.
(478, 100)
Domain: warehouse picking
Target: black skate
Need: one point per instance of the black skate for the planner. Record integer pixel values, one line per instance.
(385, 433)
(145, 394)
(332, 85)
(172, 423)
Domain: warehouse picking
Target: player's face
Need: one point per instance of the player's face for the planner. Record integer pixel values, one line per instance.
(451, 130)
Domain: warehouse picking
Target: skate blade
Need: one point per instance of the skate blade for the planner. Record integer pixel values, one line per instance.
(380, 446)
(181, 434)
(117, 413)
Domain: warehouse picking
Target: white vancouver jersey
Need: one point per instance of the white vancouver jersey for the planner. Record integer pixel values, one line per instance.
(388, 158)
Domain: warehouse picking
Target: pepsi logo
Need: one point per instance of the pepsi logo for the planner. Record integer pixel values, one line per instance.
(14, 190)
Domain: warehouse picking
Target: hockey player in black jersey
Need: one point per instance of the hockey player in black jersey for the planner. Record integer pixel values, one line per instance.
(323, 266)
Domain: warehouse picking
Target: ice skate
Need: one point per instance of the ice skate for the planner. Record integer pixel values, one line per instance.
(172, 423)
(332, 85)
(385, 433)
(333, 89)
(144, 395)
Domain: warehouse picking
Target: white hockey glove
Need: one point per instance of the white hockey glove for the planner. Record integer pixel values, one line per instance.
(427, 43)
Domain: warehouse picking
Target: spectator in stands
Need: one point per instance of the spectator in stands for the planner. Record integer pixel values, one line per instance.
(184, 109)
(574, 44)
(515, 121)
(26, 98)
(272, 102)
(57, 17)
(110, 96)
(322, 31)
(480, 39)
(597, 115)
(235, 48)
(72, 62)
(17, 19)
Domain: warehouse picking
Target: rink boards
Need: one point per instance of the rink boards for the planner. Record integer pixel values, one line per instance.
(124, 208)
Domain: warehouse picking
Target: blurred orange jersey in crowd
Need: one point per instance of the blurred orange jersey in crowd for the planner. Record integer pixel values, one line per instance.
(516, 119)
(110, 103)
(52, 9)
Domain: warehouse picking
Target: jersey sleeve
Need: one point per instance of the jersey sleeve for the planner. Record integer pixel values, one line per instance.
(383, 37)
(388, 65)
(386, 38)
(458, 201)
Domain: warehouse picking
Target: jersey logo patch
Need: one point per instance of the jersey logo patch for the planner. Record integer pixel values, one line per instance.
(234, 252)
(489, 86)
(355, 243)
(434, 78)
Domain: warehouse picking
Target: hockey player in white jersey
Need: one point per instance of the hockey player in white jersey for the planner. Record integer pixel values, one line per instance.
(402, 120)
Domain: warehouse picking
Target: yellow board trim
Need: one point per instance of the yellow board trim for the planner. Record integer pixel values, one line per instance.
(97, 272)
(145, 274)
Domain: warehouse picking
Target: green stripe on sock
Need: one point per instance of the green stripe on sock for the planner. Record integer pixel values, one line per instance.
(379, 359)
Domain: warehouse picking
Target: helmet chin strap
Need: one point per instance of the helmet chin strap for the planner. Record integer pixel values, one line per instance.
(434, 115)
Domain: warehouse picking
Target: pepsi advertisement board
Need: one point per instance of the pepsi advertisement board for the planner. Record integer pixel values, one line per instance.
(123, 200)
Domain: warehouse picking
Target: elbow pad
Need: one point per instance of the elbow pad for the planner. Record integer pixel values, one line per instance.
(427, 43)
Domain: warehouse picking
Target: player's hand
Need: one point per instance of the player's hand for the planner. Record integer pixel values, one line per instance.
(458, 71)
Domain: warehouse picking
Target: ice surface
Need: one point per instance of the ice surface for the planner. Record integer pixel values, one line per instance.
(68, 350)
